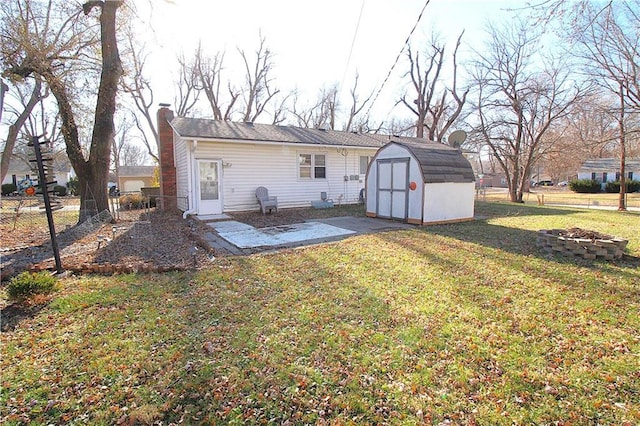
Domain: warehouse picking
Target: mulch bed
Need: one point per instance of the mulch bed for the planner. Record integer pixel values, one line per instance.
(163, 242)
(155, 242)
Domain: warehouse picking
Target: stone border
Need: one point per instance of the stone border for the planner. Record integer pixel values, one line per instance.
(551, 240)
(111, 268)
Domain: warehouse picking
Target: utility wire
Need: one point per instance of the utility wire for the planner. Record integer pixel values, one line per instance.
(398, 57)
(353, 42)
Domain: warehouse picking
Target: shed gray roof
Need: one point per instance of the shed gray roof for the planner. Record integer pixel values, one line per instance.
(227, 130)
(439, 163)
(609, 164)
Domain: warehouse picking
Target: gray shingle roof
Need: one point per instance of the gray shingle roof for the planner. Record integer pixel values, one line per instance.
(440, 163)
(135, 171)
(609, 164)
(18, 166)
(227, 130)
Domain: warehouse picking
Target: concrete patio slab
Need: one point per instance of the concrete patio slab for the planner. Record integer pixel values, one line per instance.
(229, 226)
(245, 236)
(212, 217)
(365, 225)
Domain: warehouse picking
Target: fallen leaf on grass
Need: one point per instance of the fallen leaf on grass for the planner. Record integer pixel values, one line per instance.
(208, 346)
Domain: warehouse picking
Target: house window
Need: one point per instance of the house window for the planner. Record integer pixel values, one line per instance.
(617, 176)
(312, 166)
(364, 163)
(630, 175)
(593, 176)
(604, 176)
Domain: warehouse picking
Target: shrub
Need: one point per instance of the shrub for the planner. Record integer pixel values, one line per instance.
(585, 186)
(60, 190)
(131, 201)
(73, 186)
(27, 284)
(614, 187)
(8, 189)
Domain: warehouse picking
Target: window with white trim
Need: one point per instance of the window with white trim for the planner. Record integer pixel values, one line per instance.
(312, 166)
(364, 163)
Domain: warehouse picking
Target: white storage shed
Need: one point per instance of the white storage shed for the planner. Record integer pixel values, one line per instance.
(420, 183)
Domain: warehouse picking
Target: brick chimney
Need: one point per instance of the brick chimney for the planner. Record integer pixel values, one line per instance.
(167, 162)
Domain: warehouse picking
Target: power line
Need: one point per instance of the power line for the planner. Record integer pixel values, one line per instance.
(353, 42)
(398, 57)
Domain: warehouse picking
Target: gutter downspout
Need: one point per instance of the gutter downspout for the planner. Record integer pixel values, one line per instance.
(190, 209)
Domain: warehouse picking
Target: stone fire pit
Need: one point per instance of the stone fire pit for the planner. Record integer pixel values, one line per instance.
(581, 242)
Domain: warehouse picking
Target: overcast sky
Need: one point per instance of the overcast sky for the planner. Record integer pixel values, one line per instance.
(312, 41)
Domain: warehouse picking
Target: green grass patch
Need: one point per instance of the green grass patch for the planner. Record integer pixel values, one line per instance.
(469, 322)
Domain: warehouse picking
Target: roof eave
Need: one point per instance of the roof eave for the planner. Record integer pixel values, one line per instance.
(264, 142)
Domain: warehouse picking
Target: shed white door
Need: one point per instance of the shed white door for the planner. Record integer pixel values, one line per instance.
(393, 177)
(208, 186)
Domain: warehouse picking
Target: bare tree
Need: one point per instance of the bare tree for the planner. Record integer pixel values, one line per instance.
(118, 144)
(605, 37)
(322, 113)
(517, 104)
(590, 131)
(187, 85)
(280, 109)
(20, 120)
(138, 86)
(355, 120)
(432, 108)
(258, 90)
(609, 41)
(209, 79)
(43, 46)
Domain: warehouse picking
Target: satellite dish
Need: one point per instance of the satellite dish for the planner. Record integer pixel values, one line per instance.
(457, 138)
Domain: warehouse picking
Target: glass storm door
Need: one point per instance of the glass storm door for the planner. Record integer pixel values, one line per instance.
(208, 187)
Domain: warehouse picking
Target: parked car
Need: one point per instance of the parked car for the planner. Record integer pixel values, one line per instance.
(544, 183)
(563, 183)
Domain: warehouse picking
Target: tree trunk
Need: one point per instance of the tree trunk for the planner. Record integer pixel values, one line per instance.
(94, 177)
(14, 129)
(622, 201)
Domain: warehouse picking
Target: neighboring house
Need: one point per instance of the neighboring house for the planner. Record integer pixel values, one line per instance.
(21, 170)
(211, 167)
(608, 169)
(420, 183)
(134, 178)
(492, 180)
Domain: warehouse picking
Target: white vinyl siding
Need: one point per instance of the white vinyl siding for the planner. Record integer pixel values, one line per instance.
(275, 166)
(181, 159)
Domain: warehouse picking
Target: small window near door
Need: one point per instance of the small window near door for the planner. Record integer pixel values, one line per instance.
(364, 164)
(312, 166)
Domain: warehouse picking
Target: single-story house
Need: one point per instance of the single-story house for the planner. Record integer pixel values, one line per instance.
(608, 169)
(212, 167)
(134, 178)
(492, 180)
(420, 183)
(22, 172)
